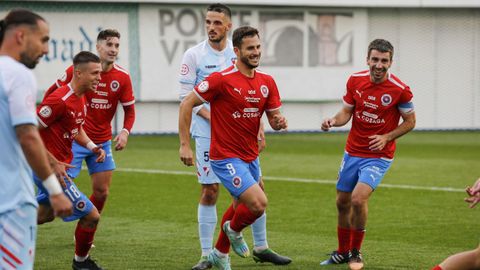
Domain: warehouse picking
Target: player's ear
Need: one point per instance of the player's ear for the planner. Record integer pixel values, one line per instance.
(229, 26)
(20, 36)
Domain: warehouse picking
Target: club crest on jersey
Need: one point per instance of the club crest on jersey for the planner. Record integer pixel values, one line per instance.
(45, 111)
(237, 181)
(264, 90)
(184, 70)
(114, 85)
(386, 99)
(80, 205)
(203, 87)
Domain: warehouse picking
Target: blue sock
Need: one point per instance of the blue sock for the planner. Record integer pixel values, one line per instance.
(259, 232)
(207, 221)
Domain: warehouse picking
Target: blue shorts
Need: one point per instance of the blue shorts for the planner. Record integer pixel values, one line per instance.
(82, 206)
(18, 232)
(237, 175)
(365, 170)
(81, 153)
(202, 161)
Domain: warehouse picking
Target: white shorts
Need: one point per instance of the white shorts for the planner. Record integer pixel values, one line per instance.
(205, 173)
(18, 232)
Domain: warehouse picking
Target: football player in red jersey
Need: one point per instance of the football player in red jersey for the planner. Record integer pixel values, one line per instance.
(375, 100)
(238, 97)
(61, 116)
(468, 259)
(114, 87)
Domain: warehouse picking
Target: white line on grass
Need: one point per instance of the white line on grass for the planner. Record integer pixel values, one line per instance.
(292, 179)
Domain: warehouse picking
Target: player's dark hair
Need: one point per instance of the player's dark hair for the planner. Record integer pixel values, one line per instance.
(220, 8)
(106, 33)
(240, 33)
(380, 45)
(18, 17)
(85, 57)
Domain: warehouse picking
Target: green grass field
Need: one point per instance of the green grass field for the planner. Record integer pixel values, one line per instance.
(150, 219)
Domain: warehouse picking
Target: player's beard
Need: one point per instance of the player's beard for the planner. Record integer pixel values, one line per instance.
(246, 61)
(383, 73)
(28, 60)
(216, 40)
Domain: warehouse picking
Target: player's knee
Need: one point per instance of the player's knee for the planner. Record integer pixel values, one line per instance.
(258, 207)
(101, 193)
(209, 194)
(358, 201)
(343, 204)
(91, 220)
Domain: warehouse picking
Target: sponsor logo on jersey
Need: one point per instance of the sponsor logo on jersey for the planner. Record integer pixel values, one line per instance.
(237, 181)
(114, 85)
(100, 106)
(80, 205)
(250, 110)
(239, 91)
(247, 113)
(45, 111)
(370, 105)
(210, 66)
(252, 99)
(371, 115)
(99, 100)
(264, 90)
(372, 98)
(102, 84)
(386, 99)
(369, 118)
(359, 93)
(252, 92)
(236, 115)
(184, 70)
(102, 93)
(203, 87)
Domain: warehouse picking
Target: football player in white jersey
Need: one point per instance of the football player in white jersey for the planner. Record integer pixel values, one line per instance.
(24, 39)
(212, 55)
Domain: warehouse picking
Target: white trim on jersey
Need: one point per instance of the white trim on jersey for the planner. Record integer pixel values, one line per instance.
(230, 71)
(128, 103)
(348, 104)
(366, 73)
(68, 94)
(274, 109)
(395, 82)
(119, 68)
(41, 122)
(200, 97)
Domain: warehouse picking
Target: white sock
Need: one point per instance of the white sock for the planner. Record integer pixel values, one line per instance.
(80, 258)
(259, 233)
(207, 221)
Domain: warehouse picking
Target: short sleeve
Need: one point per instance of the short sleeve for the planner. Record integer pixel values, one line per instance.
(348, 99)
(188, 74)
(405, 104)
(273, 98)
(51, 108)
(208, 89)
(127, 98)
(21, 98)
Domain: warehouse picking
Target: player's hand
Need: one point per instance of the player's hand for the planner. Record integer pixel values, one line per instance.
(121, 140)
(61, 205)
(327, 124)
(473, 194)
(186, 155)
(377, 142)
(280, 122)
(60, 170)
(100, 153)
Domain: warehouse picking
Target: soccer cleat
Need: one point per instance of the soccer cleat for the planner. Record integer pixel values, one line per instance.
(336, 258)
(88, 264)
(268, 255)
(236, 240)
(219, 262)
(356, 261)
(202, 264)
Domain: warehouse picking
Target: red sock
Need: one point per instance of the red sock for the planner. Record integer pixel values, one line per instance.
(343, 235)
(242, 218)
(83, 240)
(99, 203)
(357, 238)
(437, 268)
(223, 244)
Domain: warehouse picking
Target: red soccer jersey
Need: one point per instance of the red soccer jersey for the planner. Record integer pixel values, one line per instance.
(237, 105)
(61, 114)
(115, 85)
(376, 112)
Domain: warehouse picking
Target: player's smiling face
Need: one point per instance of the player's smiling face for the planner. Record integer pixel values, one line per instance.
(108, 49)
(36, 43)
(89, 75)
(379, 63)
(250, 51)
(217, 25)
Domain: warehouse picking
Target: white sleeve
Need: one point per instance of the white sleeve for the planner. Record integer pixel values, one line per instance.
(22, 94)
(188, 74)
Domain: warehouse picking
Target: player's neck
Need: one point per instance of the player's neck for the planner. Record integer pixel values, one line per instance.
(77, 88)
(244, 69)
(218, 46)
(106, 67)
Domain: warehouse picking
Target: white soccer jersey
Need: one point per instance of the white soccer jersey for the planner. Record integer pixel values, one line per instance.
(198, 63)
(18, 91)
